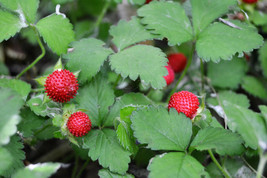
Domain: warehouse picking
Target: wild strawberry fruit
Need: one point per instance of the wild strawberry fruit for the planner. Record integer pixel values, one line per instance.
(185, 102)
(250, 1)
(177, 61)
(79, 124)
(170, 77)
(61, 86)
(148, 1)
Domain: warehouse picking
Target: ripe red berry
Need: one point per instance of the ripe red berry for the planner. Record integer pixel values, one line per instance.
(61, 86)
(170, 77)
(250, 1)
(148, 1)
(177, 61)
(185, 102)
(79, 124)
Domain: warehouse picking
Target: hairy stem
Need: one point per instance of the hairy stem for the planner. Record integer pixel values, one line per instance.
(39, 57)
(184, 72)
(218, 164)
(261, 165)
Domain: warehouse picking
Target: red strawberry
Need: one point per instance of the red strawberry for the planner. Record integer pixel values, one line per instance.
(61, 86)
(250, 1)
(79, 124)
(148, 1)
(177, 61)
(170, 77)
(185, 102)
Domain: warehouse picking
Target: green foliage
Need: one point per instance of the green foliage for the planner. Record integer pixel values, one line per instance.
(88, 56)
(104, 146)
(175, 165)
(259, 18)
(40, 170)
(57, 32)
(18, 86)
(254, 86)
(263, 109)
(10, 105)
(96, 97)
(105, 173)
(227, 74)
(162, 130)
(223, 141)
(220, 41)
(168, 19)
(3, 69)
(263, 58)
(136, 61)
(129, 33)
(7, 157)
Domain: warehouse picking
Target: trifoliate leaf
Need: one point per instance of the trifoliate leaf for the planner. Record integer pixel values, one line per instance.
(15, 149)
(10, 105)
(129, 33)
(214, 9)
(104, 146)
(175, 165)
(88, 56)
(18, 86)
(167, 19)
(141, 60)
(40, 170)
(57, 32)
(128, 99)
(223, 141)
(96, 97)
(263, 109)
(220, 41)
(227, 74)
(29, 122)
(105, 173)
(6, 160)
(49, 109)
(160, 129)
(248, 124)
(10, 24)
(263, 59)
(254, 86)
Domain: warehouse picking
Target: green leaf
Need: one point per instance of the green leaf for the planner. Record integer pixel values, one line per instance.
(128, 99)
(141, 60)
(96, 97)
(40, 170)
(214, 9)
(29, 122)
(15, 149)
(129, 33)
(168, 19)
(88, 56)
(248, 124)
(10, 105)
(263, 58)
(175, 165)
(104, 146)
(105, 173)
(124, 131)
(18, 86)
(10, 24)
(43, 109)
(254, 86)
(220, 41)
(162, 130)
(57, 32)
(258, 18)
(223, 141)
(263, 109)
(233, 71)
(3, 68)
(47, 131)
(6, 160)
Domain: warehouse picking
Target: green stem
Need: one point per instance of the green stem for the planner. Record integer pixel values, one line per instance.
(218, 164)
(202, 75)
(184, 72)
(83, 167)
(116, 82)
(75, 166)
(38, 58)
(37, 90)
(261, 165)
(101, 16)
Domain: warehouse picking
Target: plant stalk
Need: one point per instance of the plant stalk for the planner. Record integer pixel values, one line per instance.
(202, 75)
(261, 165)
(75, 166)
(83, 167)
(184, 72)
(218, 164)
(38, 58)
(101, 16)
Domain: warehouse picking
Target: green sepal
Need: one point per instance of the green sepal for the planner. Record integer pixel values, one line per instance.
(58, 65)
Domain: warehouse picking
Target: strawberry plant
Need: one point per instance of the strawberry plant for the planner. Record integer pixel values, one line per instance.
(135, 88)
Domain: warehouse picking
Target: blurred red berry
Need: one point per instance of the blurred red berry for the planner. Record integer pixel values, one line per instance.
(177, 61)
(170, 77)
